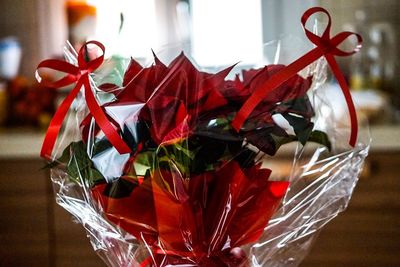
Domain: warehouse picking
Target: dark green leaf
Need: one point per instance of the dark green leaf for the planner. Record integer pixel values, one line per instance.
(61, 160)
(282, 140)
(302, 127)
(320, 138)
(101, 146)
(78, 164)
(120, 188)
(246, 158)
(300, 106)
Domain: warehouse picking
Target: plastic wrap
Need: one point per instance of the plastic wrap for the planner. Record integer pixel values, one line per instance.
(193, 190)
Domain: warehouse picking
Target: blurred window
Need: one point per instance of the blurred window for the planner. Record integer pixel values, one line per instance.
(127, 27)
(213, 32)
(226, 31)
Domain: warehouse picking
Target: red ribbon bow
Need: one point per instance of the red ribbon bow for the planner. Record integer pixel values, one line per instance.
(325, 46)
(80, 75)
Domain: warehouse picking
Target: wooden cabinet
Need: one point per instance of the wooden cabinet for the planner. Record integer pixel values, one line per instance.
(367, 234)
(72, 247)
(34, 231)
(25, 214)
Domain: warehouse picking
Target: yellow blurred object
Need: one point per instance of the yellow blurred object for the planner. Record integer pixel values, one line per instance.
(357, 82)
(44, 120)
(78, 10)
(81, 21)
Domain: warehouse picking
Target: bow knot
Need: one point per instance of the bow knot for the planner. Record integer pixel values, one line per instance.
(326, 47)
(79, 75)
(325, 42)
(83, 72)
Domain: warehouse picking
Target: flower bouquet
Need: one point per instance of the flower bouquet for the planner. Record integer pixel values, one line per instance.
(168, 168)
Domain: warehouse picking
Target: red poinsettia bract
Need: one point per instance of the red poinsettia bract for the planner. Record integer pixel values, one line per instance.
(197, 219)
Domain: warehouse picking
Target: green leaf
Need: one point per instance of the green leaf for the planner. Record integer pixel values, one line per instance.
(79, 166)
(320, 138)
(282, 140)
(144, 162)
(316, 136)
(101, 146)
(120, 188)
(302, 127)
(61, 160)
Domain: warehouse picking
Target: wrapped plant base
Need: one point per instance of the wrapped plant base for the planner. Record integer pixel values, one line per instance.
(168, 168)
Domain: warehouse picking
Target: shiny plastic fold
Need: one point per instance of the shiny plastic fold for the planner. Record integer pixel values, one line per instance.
(187, 188)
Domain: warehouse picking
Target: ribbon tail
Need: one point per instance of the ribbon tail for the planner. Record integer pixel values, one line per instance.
(102, 120)
(347, 95)
(56, 123)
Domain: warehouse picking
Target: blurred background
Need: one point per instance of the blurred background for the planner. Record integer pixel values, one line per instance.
(214, 33)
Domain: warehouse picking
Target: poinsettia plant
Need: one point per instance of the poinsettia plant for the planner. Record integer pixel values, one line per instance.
(167, 167)
(192, 189)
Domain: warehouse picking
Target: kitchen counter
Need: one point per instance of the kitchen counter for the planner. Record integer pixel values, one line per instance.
(21, 143)
(26, 143)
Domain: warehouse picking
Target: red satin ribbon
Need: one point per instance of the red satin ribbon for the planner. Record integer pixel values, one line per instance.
(80, 75)
(325, 46)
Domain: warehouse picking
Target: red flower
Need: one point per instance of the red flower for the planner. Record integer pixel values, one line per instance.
(172, 100)
(198, 218)
(174, 96)
(239, 90)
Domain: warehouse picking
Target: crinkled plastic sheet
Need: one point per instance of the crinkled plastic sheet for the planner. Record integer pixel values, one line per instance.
(321, 181)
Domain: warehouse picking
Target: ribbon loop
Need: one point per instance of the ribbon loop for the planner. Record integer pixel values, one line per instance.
(326, 47)
(342, 37)
(93, 64)
(80, 75)
(325, 41)
(316, 39)
(72, 73)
